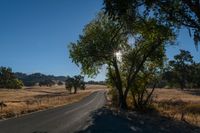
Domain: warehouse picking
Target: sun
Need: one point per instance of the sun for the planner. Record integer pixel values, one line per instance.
(118, 55)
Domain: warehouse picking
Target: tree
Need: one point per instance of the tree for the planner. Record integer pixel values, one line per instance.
(181, 67)
(195, 75)
(46, 83)
(69, 84)
(97, 46)
(177, 13)
(75, 82)
(78, 83)
(104, 40)
(148, 77)
(8, 80)
(60, 83)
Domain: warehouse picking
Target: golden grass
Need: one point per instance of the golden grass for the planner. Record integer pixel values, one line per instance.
(39, 98)
(178, 104)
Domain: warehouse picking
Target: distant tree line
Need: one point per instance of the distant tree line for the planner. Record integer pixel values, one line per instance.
(47, 83)
(182, 72)
(41, 79)
(96, 82)
(11, 80)
(8, 79)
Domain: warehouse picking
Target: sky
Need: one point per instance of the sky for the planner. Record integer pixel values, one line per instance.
(34, 35)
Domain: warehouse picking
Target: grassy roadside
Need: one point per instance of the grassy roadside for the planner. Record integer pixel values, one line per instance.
(174, 104)
(178, 105)
(28, 100)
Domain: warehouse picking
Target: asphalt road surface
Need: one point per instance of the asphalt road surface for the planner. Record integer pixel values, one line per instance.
(65, 119)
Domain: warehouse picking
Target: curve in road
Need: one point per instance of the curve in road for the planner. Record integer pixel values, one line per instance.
(65, 119)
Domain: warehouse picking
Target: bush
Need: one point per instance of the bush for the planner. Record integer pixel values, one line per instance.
(8, 80)
(46, 83)
(114, 97)
(60, 83)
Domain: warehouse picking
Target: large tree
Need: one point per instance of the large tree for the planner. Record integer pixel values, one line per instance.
(102, 42)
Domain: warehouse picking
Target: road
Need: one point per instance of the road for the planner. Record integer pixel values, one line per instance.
(65, 119)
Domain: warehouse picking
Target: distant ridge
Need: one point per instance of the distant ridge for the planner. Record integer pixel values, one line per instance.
(32, 79)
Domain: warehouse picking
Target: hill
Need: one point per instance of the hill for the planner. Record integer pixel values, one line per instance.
(32, 79)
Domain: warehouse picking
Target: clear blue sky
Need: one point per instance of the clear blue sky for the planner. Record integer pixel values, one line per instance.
(34, 34)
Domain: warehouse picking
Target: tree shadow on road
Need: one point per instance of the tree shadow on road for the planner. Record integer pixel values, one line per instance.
(107, 121)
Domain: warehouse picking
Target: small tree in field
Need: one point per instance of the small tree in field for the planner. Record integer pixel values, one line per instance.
(69, 84)
(48, 83)
(60, 83)
(75, 82)
(8, 80)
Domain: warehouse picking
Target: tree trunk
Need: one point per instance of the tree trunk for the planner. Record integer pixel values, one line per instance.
(75, 90)
(122, 102)
(119, 86)
(182, 84)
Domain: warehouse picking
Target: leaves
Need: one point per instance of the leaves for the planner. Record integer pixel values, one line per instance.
(102, 38)
(8, 80)
(75, 82)
(174, 13)
(96, 47)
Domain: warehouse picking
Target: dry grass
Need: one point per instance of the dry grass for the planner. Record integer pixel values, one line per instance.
(38, 98)
(177, 104)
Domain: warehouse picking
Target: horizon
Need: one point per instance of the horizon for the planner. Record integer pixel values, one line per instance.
(35, 35)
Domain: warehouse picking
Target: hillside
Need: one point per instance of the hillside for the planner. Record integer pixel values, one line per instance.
(32, 79)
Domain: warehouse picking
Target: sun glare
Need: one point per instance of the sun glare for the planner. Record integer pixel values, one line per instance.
(118, 55)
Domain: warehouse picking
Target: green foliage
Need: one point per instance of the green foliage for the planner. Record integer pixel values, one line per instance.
(100, 40)
(75, 82)
(46, 83)
(69, 84)
(194, 79)
(180, 66)
(105, 42)
(96, 82)
(183, 71)
(60, 83)
(146, 78)
(8, 80)
(33, 79)
(114, 97)
(176, 13)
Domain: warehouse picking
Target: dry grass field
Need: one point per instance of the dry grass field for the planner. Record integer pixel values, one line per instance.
(179, 105)
(18, 102)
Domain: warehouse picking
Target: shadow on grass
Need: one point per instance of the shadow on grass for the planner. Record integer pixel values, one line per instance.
(107, 121)
(193, 91)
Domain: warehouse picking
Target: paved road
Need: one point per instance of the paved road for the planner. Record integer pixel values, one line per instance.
(65, 119)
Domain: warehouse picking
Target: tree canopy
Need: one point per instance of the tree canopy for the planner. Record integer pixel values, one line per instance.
(176, 13)
(74, 83)
(106, 42)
